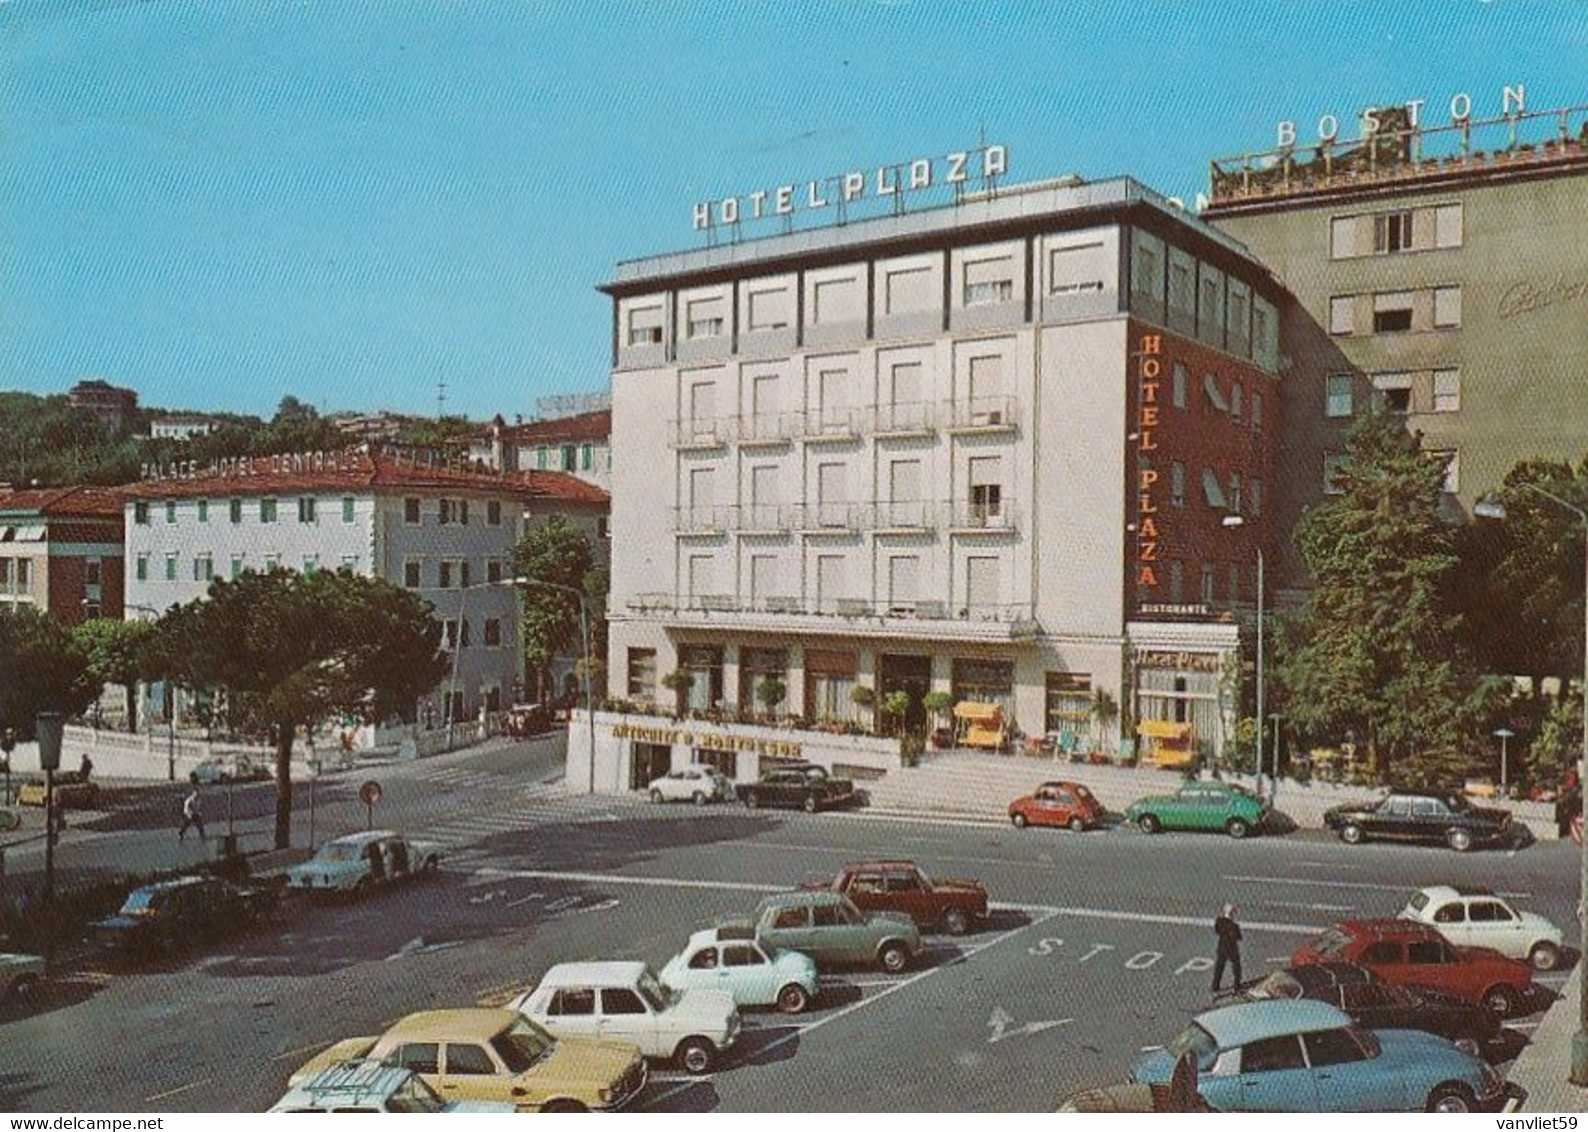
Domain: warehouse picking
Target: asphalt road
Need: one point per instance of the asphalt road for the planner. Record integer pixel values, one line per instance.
(1100, 945)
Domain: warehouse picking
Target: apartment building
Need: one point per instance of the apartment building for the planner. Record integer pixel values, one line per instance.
(1440, 274)
(578, 445)
(61, 551)
(986, 449)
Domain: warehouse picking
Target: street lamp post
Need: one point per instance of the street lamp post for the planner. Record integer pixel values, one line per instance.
(1273, 782)
(1234, 522)
(1492, 509)
(1505, 735)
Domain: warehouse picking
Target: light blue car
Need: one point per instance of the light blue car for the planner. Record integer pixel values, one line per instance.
(371, 1086)
(756, 974)
(1307, 1056)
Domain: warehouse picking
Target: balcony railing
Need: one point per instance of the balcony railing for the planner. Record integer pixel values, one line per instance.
(878, 517)
(703, 432)
(705, 520)
(973, 516)
(894, 516)
(914, 418)
(836, 424)
(831, 517)
(982, 414)
(842, 608)
(768, 428)
(766, 518)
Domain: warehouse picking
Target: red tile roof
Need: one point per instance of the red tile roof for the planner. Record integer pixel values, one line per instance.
(584, 426)
(562, 486)
(345, 470)
(73, 502)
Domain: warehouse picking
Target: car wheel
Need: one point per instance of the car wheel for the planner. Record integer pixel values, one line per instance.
(1451, 1097)
(894, 957)
(1459, 839)
(1237, 828)
(752, 799)
(700, 799)
(1351, 833)
(792, 999)
(810, 803)
(1077, 824)
(1544, 956)
(563, 1106)
(1500, 999)
(1019, 820)
(956, 922)
(656, 796)
(1468, 1044)
(1149, 823)
(696, 1055)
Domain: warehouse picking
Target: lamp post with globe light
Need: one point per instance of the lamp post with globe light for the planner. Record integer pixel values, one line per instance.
(1493, 509)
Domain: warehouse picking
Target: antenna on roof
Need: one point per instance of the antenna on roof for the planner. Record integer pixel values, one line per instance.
(441, 396)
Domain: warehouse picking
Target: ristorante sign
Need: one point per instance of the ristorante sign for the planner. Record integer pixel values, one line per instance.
(242, 467)
(842, 189)
(706, 740)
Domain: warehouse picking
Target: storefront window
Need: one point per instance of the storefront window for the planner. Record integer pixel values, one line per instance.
(756, 665)
(829, 681)
(704, 663)
(1187, 694)
(725, 761)
(1069, 703)
(986, 681)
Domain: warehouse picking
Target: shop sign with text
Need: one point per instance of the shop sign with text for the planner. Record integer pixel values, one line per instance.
(1149, 370)
(706, 740)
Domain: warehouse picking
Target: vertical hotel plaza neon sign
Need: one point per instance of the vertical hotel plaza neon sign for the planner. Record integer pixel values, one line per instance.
(1149, 369)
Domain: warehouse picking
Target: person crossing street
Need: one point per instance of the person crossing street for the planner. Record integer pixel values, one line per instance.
(1229, 947)
(193, 815)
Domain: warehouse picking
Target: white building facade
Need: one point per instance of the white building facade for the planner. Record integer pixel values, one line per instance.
(907, 455)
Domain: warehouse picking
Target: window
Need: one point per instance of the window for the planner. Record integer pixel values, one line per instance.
(586, 457)
(469, 1061)
(833, 300)
(1074, 270)
(1342, 237)
(1213, 491)
(1177, 484)
(645, 326)
(1268, 1055)
(796, 917)
(1235, 400)
(540, 458)
(1180, 381)
(1176, 581)
(272, 562)
(572, 1000)
(1342, 314)
(1215, 394)
(570, 457)
(1425, 951)
(1392, 312)
(411, 512)
(1235, 492)
(704, 960)
(306, 509)
(170, 566)
(706, 318)
(449, 633)
(1332, 1047)
(1453, 913)
(267, 510)
(203, 510)
(237, 567)
(203, 567)
(142, 573)
(1257, 412)
(989, 281)
(444, 512)
(170, 510)
(311, 563)
(908, 290)
(493, 632)
(1490, 912)
(1447, 226)
(93, 571)
(1256, 493)
(1207, 583)
(420, 1057)
(1392, 232)
(493, 570)
(235, 510)
(769, 309)
(493, 513)
(347, 508)
(1452, 471)
(411, 573)
(1447, 306)
(826, 916)
(140, 513)
(743, 955)
(1447, 390)
(642, 674)
(1235, 584)
(463, 512)
(92, 610)
(1338, 390)
(1393, 391)
(1333, 464)
(349, 564)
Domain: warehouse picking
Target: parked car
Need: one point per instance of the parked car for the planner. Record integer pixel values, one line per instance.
(626, 1001)
(500, 1056)
(902, 886)
(1405, 816)
(372, 1086)
(1201, 805)
(1067, 804)
(803, 786)
(220, 769)
(1400, 951)
(1304, 1056)
(829, 928)
(173, 913)
(20, 976)
(754, 972)
(72, 792)
(697, 784)
(362, 861)
(1476, 917)
(1378, 1005)
(1179, 1094)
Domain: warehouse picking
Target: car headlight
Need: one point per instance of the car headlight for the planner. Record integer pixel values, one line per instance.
(604, 1096)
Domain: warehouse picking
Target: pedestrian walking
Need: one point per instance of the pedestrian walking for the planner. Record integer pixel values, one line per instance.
(193, 815)
(85, 767)
(1229, 947)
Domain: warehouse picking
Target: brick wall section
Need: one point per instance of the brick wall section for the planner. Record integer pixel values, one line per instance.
(1198, 436)
(68, 585)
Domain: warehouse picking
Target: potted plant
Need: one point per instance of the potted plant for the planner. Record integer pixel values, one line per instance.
(863, 697)
(771, 692)
(679, 681)
(937, 705)
(894, 706)
(1105, 713)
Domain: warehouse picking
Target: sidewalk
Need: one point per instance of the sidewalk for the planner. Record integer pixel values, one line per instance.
(1544, 1064)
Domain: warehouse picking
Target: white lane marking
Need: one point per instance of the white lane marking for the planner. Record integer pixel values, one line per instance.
(1522, 1025)
(1324, 865)
(1309, 907)
(1406, 888)
(920, 817)
(488, 874)
(1190, 921)
(174, 1092)
(1001, 1020)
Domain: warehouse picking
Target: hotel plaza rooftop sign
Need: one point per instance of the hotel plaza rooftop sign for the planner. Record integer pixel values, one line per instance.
(838, 192)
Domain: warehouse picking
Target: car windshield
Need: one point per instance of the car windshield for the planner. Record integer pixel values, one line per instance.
(654, 993)
(521, 1045)
(1419, 902)
(1198, 1042)
(1331, 942)
(1368, 1040)
(339, 851)
(414, 1096)
(141, 900)
(1277, 985)
(1082, 792)
(1457, 802)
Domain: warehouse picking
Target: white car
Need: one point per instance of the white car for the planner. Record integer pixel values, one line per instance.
(697, 784)
(624, 1001)
(362, 861)
(1476, 917)
(20, 976)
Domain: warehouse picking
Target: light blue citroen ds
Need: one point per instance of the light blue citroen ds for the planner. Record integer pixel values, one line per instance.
(1306, 1056)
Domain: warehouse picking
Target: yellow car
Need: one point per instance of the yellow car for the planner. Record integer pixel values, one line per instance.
(499, 1055)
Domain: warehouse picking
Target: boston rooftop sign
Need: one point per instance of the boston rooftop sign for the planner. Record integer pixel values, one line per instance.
(841, 190)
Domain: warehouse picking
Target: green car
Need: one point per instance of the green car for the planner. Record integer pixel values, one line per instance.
(828, 927)
(1201, 805)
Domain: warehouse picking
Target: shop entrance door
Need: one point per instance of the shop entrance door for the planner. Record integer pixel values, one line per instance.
(911, 675)
(649, 762)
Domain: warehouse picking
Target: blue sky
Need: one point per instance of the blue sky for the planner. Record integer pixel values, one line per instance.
(219, 202)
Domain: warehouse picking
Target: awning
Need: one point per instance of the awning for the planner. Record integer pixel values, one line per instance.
(1163, 729)
(978, 712)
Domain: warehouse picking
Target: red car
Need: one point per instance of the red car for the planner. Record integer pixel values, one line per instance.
(1057, 803)
(1400, 951)
(903, 887)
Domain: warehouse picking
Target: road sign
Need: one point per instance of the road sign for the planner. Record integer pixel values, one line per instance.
(369, 793)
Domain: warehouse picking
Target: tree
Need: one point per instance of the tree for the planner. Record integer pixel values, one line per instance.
(45, 670)
(1105, 711)
(1374, 656)
(1558, 745)
(558, 553)
(895, 705)
(771, 692)
(291, 650)
(118, 652)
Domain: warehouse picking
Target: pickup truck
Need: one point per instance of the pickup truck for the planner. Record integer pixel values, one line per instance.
(802, 786)
(904, 887)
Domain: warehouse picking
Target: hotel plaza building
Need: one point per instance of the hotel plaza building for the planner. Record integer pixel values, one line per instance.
(986, 449)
